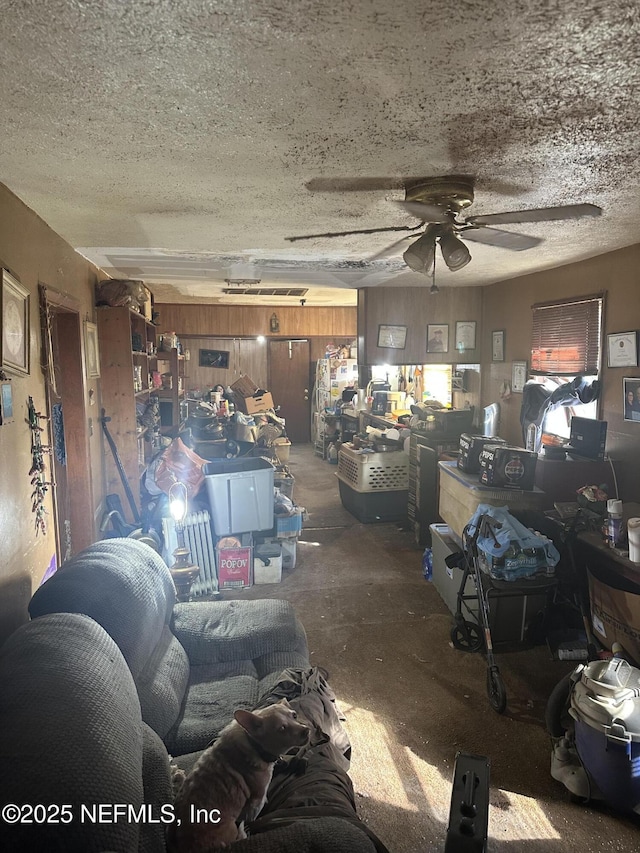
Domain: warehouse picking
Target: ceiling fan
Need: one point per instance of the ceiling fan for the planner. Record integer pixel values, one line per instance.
(439, 204)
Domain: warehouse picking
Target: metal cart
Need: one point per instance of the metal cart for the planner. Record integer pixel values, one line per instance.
(471, 634)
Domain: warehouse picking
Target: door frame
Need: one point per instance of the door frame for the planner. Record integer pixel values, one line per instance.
(70, 361)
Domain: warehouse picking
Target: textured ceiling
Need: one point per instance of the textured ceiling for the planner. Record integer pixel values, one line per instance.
(173, 140)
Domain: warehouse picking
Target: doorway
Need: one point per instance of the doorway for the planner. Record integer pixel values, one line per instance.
(289, 383)
(68, 428)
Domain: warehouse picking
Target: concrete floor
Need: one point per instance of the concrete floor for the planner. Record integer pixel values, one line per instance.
(412, 701)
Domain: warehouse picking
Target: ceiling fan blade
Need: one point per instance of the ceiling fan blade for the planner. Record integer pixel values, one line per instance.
(504, 239)
(388, 250)
(540, 214)
(425, 212)
(347, 233)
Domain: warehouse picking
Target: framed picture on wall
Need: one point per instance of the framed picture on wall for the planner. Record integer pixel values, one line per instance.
(622, 349)
(518, 376)
(92, 352)
(6, 403)
(631, 402)
(214, 358)
(497, 345)
(438, 337)
(392, 337)
(465, 335)
(14, 309)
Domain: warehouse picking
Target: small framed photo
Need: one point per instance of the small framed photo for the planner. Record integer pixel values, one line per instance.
(15, 311)
(631, 402)
(622, 349)
(465, 335)
(518, 376)
(6, 403)
(438, 337)
(91, 350)
(497, 345)
(392, 337)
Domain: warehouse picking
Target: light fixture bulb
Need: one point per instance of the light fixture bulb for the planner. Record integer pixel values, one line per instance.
(456, 255)
(178, 502)
(434, 288)
(420, 256)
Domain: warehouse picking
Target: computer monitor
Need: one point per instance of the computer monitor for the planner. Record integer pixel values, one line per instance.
(587, 438)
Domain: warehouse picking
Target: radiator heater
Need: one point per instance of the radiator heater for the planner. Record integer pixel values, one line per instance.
(198, 539)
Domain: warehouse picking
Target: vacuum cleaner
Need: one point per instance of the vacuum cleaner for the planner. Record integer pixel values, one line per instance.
(593, 717)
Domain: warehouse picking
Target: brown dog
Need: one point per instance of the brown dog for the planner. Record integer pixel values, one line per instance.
(228, 783)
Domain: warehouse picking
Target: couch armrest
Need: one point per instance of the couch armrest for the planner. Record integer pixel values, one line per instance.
(222, 631)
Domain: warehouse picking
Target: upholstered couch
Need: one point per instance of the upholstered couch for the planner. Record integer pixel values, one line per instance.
(109, 680)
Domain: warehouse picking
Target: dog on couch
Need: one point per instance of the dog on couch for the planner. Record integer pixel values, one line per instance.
(228, 783)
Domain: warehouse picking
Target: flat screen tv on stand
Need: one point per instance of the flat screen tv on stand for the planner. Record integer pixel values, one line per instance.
(587, 439)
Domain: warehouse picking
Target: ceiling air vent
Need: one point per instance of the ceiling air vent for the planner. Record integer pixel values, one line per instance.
(267, 291)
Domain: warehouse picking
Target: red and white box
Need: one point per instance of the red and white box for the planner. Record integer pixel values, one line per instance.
(234, 563)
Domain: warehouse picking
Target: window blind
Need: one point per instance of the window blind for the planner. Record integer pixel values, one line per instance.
(566, 337)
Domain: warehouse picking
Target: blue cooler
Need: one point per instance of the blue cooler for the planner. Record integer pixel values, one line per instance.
(605, 705)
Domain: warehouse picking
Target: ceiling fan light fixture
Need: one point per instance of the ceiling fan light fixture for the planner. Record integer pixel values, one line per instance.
(420, 256)
(456, 255)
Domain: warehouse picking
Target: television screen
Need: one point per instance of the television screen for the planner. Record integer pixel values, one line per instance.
(587, 438)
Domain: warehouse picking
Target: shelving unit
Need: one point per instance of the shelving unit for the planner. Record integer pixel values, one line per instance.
(172, 400)
(127, 359)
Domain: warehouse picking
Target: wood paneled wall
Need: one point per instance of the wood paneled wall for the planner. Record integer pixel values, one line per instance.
(244, 321)
(416, 308)
(246, 356)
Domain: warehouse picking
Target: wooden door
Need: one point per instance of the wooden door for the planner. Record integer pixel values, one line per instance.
(289, 383)
(67, 427)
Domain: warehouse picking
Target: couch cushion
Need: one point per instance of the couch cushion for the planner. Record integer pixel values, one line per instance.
(213, 694)
(121, 583)
(217, 631)
(70, 732)
(162, 683)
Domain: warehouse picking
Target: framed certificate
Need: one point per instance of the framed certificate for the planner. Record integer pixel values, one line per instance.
(465, 335)
(622, 349)
(497, 345)
(392, 337)
(518, 376)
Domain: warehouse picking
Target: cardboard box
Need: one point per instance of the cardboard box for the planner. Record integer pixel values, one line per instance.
(245, 386)
(254, 405)
(506, 467)
(247, 400)
(615, 612)
(235, 567)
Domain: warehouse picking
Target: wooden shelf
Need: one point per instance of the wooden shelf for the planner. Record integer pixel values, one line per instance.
(116, 328)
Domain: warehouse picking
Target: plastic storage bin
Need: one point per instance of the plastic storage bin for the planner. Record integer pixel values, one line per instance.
(240, 493)
(267, 563)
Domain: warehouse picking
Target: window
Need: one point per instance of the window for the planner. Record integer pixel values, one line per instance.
(566, 342)
(566, 337)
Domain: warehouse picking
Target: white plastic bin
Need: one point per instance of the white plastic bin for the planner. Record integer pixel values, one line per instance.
(267, 563)
(240, 493)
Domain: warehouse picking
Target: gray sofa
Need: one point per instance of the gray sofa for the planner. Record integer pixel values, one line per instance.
(111, 678)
